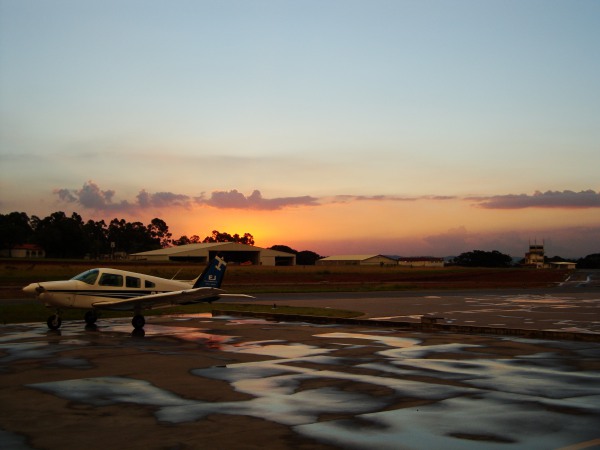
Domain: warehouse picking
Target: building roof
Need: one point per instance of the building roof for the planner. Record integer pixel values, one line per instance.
(26, 247)
(189, 249)
(181, 248)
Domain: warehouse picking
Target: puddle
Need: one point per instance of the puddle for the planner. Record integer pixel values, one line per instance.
(493, 421)
(535, 400)
(279, 350)
(391, 341)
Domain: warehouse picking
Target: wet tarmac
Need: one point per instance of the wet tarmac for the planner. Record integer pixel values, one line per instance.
(555, 309)
(196, 382)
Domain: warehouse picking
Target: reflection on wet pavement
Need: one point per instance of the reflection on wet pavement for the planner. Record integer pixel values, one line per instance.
(516, 311)
(348, 388)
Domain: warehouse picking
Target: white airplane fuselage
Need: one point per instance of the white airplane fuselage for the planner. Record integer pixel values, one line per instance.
(99, 285)
(120, 290)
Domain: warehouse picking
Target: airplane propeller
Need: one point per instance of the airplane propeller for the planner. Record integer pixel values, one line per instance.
(40, 289)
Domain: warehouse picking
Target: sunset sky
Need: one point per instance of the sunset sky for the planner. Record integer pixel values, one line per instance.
(337, 126)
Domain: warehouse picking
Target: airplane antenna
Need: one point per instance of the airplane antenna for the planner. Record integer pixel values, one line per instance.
(176, 274)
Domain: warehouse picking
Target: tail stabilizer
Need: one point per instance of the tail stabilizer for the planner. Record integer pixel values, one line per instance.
(212, 276)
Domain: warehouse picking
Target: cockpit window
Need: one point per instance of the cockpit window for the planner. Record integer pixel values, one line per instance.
(111, 279)
(89, 276)
(148, 284)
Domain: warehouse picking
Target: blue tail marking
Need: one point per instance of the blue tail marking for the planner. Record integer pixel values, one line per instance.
(212, 276)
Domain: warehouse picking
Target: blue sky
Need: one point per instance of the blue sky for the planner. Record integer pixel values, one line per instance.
(476, 117)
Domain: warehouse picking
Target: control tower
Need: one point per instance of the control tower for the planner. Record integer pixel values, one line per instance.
(535, 256)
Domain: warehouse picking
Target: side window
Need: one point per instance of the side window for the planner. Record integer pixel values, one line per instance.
(149, 284)
(111, 279)
(132, 282)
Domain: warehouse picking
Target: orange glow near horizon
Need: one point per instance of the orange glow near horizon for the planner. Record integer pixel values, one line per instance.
(392, 226)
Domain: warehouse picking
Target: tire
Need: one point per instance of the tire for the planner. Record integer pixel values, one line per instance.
(54, 322)
(90, 317)
(138, 321)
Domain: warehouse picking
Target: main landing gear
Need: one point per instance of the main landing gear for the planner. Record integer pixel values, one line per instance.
(90, 317)
(138, 321)
(54, 321)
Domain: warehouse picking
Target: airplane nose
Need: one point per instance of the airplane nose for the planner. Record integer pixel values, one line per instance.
(33, 288)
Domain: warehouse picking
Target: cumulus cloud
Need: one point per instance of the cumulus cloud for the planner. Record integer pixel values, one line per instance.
(90, 196)
(548, 199)
(236, 200)
(161, 199)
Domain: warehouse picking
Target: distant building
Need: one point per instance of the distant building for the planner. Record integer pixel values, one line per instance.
(357, 260)
(563, 265)
(24, 251)
(421, 261)
(535, 256)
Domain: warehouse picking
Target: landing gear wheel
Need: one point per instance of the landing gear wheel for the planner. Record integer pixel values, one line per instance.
(90, 317)
(138, 321)
(54, 322)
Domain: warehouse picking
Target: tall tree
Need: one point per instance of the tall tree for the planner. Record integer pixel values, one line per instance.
(480, 258)
(15, 229)
(217, 236)
(589, 262)
(61, 236)
(131, 237)
(283, 248)
(184, 240)
(307, 258)
(96, 235)
(159, 230)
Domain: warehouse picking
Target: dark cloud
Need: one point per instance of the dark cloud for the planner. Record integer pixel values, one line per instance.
(90, 196)
(236, 200)
(549, 199)
(386, 198)
(162, 199)
(65, 195)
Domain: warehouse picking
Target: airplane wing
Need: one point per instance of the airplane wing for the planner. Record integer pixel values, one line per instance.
(166, 299)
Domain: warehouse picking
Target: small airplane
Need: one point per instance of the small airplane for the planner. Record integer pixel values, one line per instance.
(120, 290)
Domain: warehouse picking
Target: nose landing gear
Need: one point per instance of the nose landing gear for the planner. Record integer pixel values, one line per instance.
(54, 321)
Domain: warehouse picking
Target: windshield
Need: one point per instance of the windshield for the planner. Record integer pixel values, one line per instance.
(89, 276)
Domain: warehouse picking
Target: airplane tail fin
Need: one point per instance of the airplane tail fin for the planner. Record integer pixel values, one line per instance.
(212, 276)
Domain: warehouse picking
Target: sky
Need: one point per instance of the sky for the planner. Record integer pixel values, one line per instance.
(404, 127)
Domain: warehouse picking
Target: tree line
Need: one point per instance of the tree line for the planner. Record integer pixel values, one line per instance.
(481, 258)
(63, 236)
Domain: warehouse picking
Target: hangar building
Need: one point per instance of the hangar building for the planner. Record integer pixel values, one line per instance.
(231, 251)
